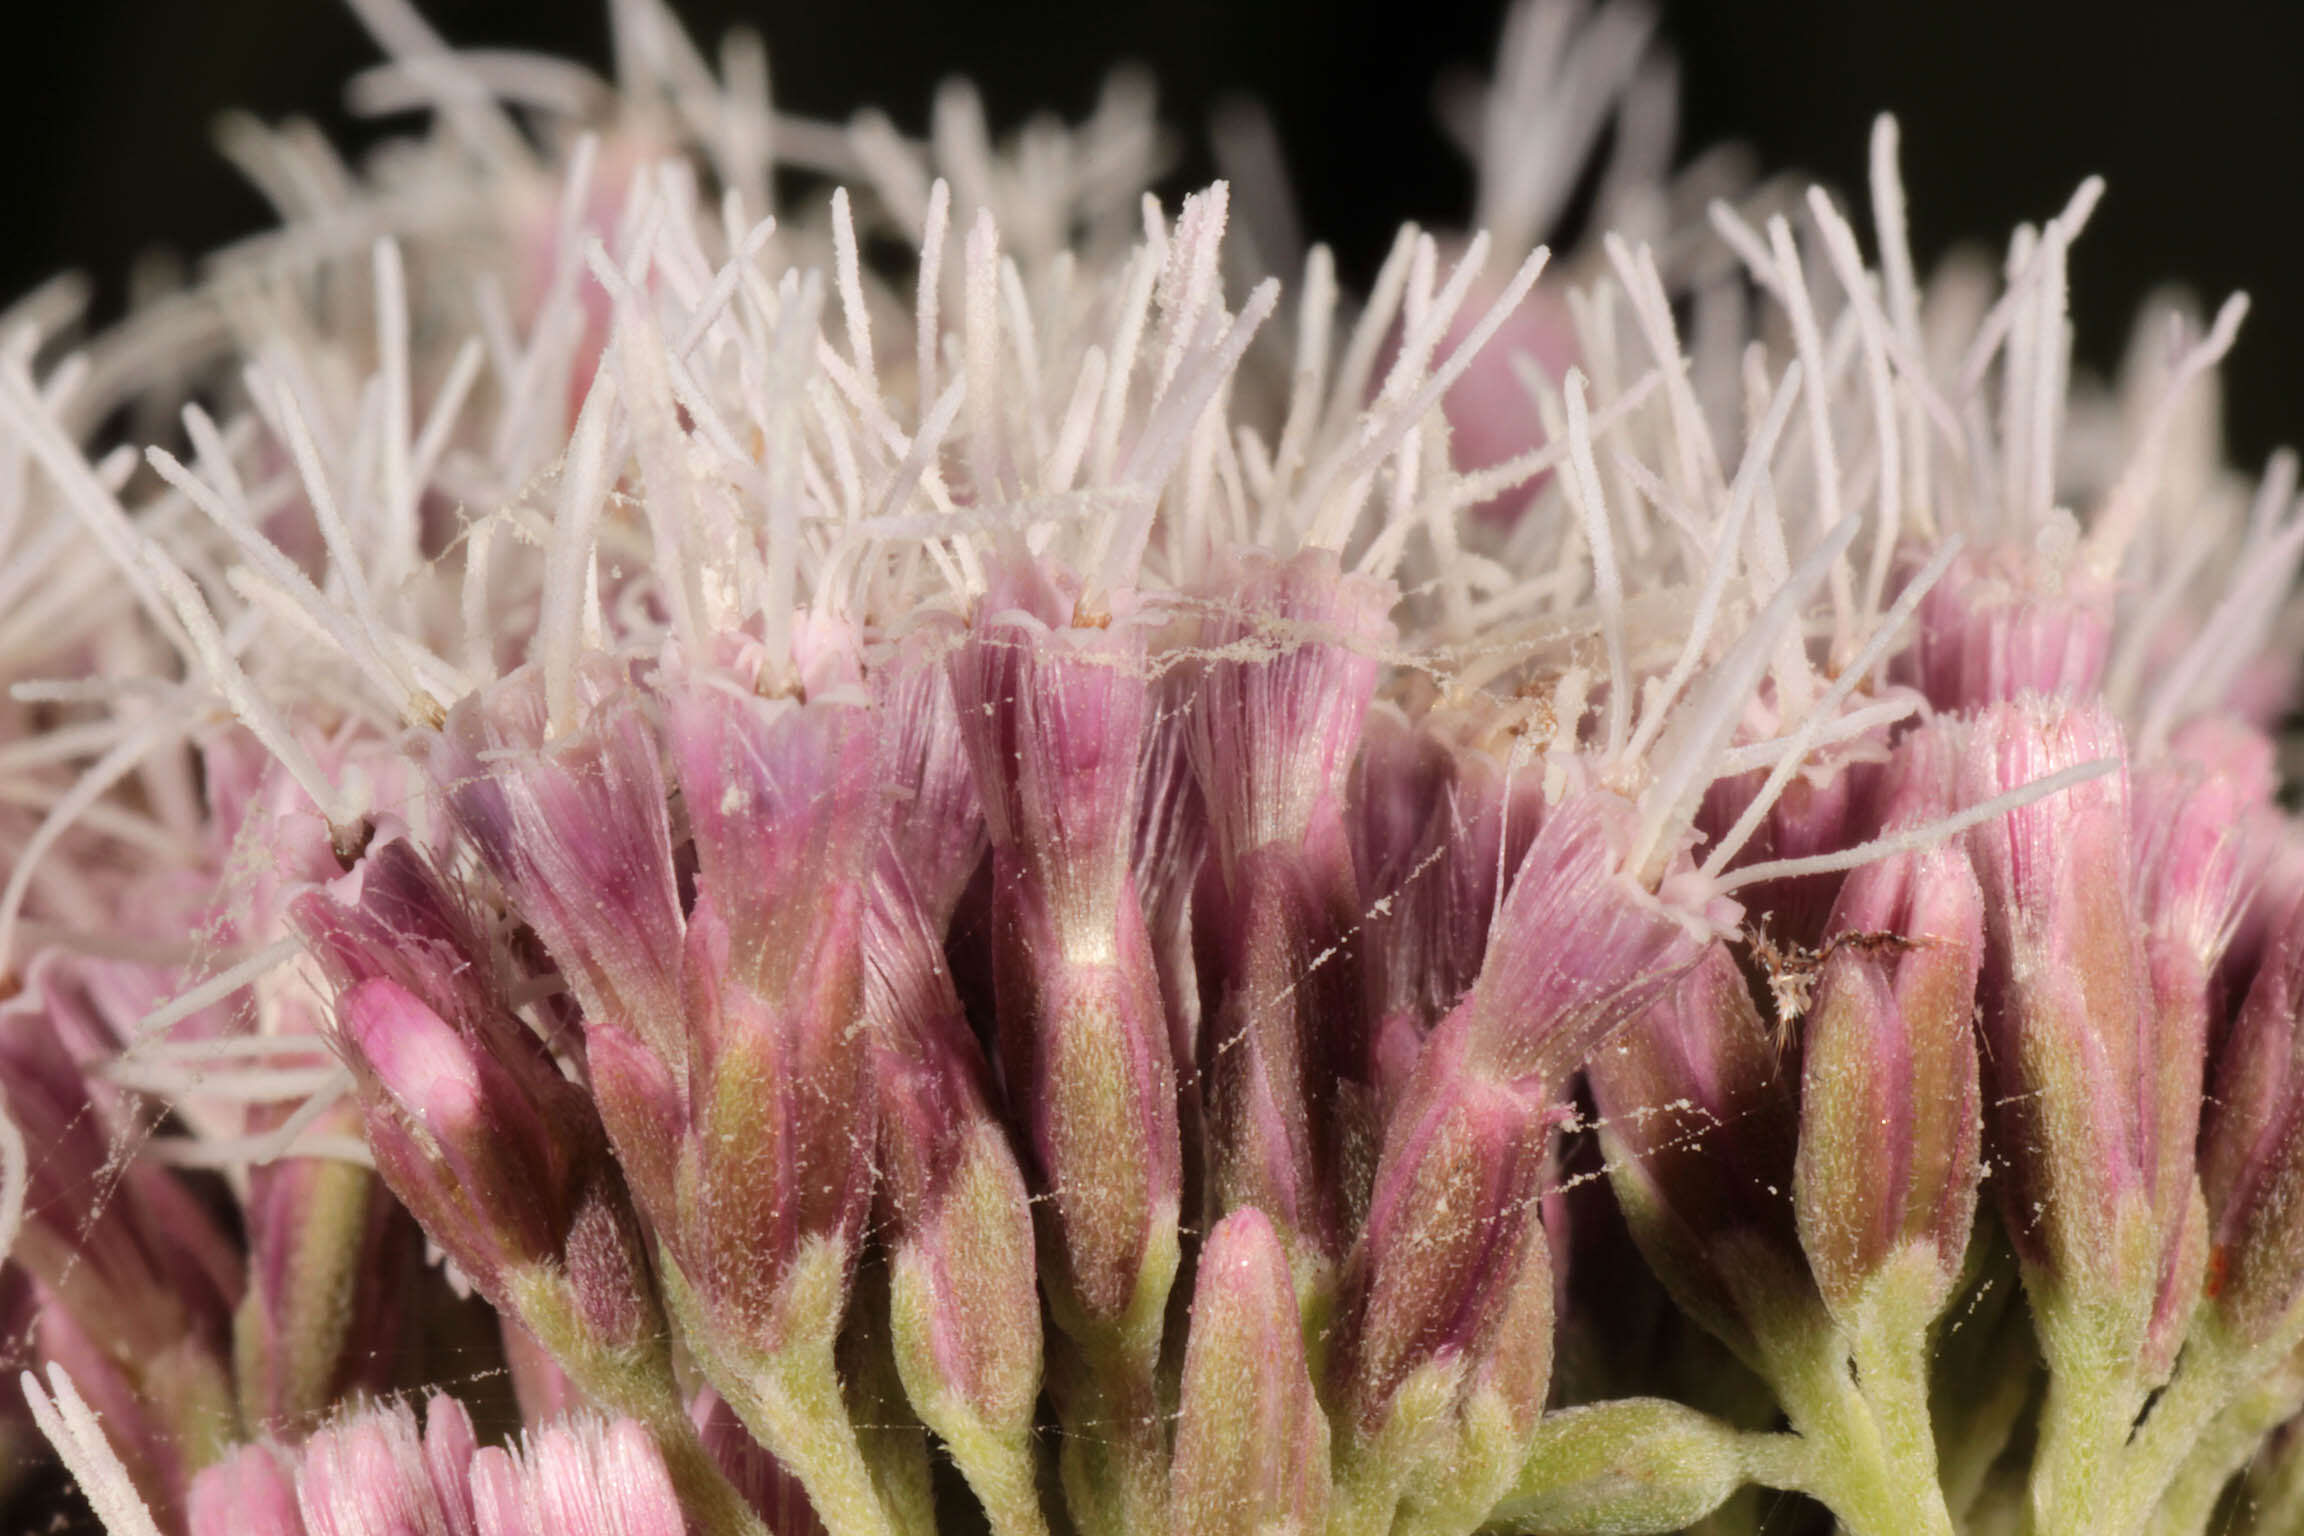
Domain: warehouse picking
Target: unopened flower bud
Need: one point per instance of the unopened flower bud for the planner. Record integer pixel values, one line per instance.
(576, 831)
(1502, 1399)
(1452, 1256)
(783, 798)
(1699, 1119)
(1292, 664)
(1576, 949)
(2252, 1150)
(2006, 621)
(2199, 837)
(2085, 1115)
(957, 1220)
(1891, 1118)
(1452, 1222)
(1443, 1353)
(1636, 1464)
(1251, 1441)
(719, 1033)
(461, 1144)
(492, 1148)
(1053, 703)
(965, 1318)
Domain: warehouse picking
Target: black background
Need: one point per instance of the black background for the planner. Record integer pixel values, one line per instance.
(2192, 112)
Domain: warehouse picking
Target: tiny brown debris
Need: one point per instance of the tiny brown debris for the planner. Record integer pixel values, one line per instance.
(1792, 967)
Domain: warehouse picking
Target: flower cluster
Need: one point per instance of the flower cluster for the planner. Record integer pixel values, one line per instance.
(847, 824)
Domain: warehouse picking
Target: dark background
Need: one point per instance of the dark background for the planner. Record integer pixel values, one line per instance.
(2197, 122)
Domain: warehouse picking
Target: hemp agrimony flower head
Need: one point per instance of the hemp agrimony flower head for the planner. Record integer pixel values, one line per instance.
(1063, 885)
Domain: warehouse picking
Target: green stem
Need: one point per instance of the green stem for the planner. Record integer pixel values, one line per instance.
(1784, 1462)
(636, 1382)
(2202, 1431)
(791, 1402)
(1427, 1520)
(789, 1396)
(635, 1392)
(2226, 1447)
(1892, 1377)
(1372, 1471)
(2084, 1422)
(1115, 1457)
(1107, 1387)
(1633, 1464)
(894, 1443)
(1365, 1498)
(1983, 1375)
(1976, 1438)
(1001, 1472)
(704, 1490)
(1849, 1470)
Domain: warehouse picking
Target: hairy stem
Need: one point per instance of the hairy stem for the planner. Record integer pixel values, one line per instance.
(637, 1382)
(2090, 1407)
(792, 1404)
(1892, 1376)
(1867, 1474)
(1115, 1458)
(1001, 1472)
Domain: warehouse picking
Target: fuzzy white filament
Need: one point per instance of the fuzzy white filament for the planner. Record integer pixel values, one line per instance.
(1811, 729)
(1329, 524)
(161, 731)
(1607, 581)
(1915, 838)
(1669, 803)
(2125, 508)
(78, 1436)
(217, 987)
(1727, 545)
(570, 571)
